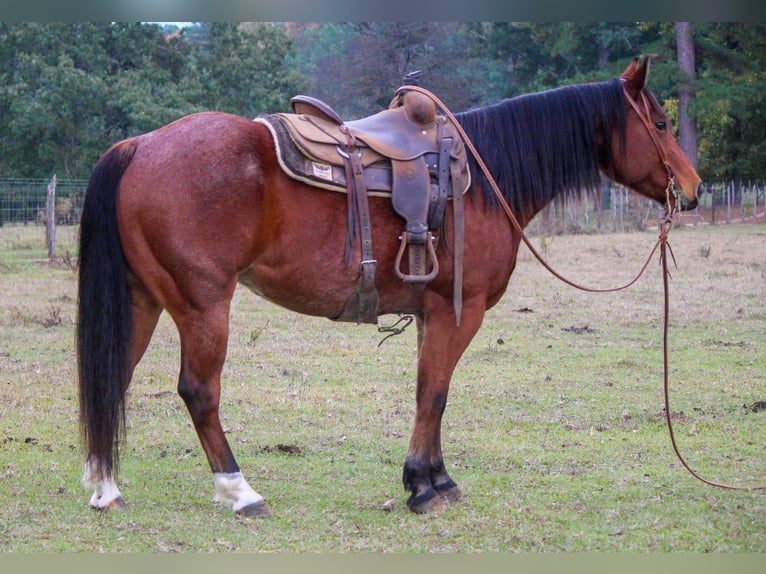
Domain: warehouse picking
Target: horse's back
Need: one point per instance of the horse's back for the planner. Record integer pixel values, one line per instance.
(197, 142)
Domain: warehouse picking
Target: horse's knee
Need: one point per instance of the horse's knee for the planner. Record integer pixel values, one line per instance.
(439, 403)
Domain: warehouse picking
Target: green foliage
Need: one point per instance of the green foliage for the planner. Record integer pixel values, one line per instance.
(356, 66)
(729, 100)
(242, 68)
(69, 90)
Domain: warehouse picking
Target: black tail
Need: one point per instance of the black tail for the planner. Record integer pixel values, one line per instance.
(103, 315)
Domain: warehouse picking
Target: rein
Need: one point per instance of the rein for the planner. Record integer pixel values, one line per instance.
(666, 224)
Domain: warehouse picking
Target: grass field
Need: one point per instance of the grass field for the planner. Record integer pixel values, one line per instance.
(554, 429)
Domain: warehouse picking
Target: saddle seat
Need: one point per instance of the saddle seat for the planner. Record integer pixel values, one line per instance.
(403, 132)
(407, 152)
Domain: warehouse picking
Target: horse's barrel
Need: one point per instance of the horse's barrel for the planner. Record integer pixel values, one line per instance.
(420, 109)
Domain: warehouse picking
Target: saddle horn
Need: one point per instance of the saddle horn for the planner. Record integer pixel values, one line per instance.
(412, 78)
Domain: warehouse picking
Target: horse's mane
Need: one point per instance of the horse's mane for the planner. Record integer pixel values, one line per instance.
(543, 146)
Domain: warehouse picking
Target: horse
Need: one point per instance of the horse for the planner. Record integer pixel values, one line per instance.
(176, 218)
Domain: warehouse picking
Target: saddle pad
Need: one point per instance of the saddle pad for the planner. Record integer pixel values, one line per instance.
(308, 150)
(321, 139)
(312, 168)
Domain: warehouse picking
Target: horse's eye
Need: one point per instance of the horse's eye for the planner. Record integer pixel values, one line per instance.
(660, 126)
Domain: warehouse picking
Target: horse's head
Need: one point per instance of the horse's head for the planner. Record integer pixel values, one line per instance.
(652, 162)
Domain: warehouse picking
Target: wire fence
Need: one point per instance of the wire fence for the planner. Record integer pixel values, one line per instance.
(23, 202)
(618, 209)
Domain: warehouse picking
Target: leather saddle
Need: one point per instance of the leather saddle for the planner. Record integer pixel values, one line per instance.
(408, 153)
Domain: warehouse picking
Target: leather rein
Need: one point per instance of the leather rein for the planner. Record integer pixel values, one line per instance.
(665, 225)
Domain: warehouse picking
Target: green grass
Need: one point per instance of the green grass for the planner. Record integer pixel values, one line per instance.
(554, 428)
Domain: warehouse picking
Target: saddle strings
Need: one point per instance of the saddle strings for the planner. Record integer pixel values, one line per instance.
(665, 226)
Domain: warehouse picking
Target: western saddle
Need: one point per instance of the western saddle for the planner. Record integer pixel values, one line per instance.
(408, 153)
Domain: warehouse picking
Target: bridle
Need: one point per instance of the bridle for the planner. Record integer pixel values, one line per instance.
(671, 191)
(665, 225)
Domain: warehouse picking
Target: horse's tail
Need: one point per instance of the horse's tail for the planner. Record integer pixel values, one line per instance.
(103, 315)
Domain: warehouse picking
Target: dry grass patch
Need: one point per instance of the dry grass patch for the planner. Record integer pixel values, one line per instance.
(554, 427)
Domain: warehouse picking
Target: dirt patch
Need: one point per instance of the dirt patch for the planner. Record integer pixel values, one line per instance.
(755, 407)
(282, 448)
(585, 329)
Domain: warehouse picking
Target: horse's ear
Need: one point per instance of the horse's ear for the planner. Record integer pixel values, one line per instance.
(635, 75)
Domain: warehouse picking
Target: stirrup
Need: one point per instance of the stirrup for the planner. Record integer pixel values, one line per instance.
(430, 254)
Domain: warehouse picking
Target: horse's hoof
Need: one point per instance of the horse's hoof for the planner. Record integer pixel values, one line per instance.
(423, 502)
(255, 510)
(114, 505)
(450, 494)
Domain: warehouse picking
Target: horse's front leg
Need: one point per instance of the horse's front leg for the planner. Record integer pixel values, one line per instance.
(441, 343)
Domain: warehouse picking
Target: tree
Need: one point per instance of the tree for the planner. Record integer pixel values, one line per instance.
(50, 104)
(356, 67)
(243, 68)
(729, 101)
(687, 127)
(69, 90)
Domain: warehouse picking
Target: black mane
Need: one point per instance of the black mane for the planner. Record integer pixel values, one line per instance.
(543, 146)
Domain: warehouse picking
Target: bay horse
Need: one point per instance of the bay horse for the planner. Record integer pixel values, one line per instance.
(174, 219)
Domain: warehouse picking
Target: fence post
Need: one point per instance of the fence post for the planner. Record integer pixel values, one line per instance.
(50, 220)
(742, 189)
(729, 192)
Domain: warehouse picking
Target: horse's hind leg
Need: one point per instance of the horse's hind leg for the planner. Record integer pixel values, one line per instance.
(144, 314)
(204, 336)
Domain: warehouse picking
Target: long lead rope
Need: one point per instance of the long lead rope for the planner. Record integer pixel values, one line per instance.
(665, 248)
(662, 242)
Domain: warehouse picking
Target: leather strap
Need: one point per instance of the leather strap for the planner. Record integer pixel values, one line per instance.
(439, 197)
(445, 166)
(458, 213)
(352, 226)
(362, 307)
(645, 117)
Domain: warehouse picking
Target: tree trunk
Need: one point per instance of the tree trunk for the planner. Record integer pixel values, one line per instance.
(687, 126)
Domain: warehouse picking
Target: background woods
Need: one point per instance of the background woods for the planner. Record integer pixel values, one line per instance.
(70, 90)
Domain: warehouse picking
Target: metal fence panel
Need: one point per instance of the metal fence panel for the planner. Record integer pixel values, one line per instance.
(22, 201)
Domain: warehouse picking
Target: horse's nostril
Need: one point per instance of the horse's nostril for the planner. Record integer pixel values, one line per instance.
(687, 204)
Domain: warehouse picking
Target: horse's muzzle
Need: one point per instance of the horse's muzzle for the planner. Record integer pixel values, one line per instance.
(686, 203)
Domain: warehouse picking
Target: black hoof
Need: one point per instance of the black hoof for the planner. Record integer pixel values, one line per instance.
(255, 510)
(449, 493)
(422, 502)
